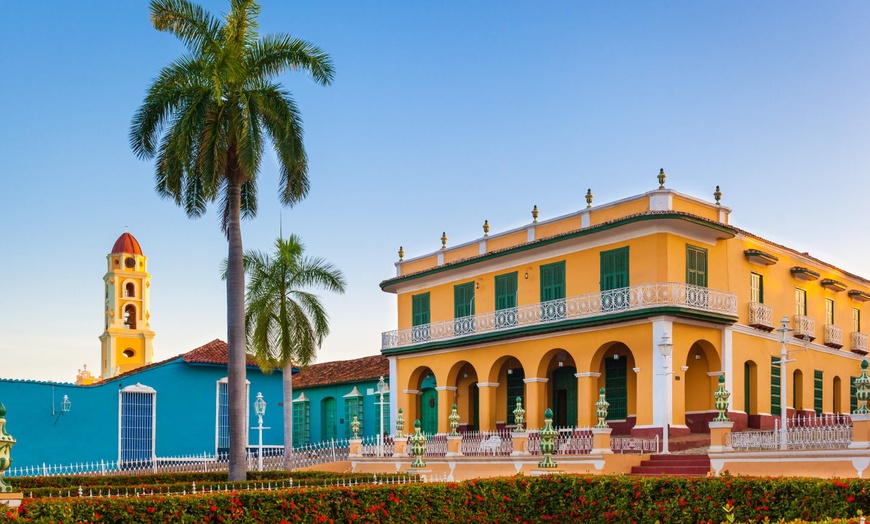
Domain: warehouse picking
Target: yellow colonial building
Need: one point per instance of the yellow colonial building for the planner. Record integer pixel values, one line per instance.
(553, 311)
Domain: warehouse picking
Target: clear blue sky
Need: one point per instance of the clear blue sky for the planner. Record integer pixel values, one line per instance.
(441, 115)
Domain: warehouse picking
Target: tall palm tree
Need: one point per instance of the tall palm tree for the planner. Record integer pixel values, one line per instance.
(206, 118)
(286, 322)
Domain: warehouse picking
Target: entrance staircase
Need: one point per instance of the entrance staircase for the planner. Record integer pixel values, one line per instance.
(682, 465)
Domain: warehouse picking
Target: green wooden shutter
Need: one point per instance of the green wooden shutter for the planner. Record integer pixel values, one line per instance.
(829, 311)
(696, 266)
(756, 287)
(747, 388)
(856, 320)
(301, 434)
(853, 395)
(616, 387)
(516, 387)
(420, 309)
(614, 269)
(553, 281)
(506, 291)
(329, 428)
(463, 300)
(818, 384)
(775, 389)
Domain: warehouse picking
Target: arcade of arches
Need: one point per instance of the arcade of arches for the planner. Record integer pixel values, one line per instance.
(564, 372)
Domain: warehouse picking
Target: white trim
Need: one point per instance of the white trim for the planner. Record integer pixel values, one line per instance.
(584, 219)
(353, 393)
(394, 391)
(446, 388)
(530, 234)
(301, 398)
(441, 258)
(412, 392)
(532, 380)
(799, 344)
(587, 374)
(481, 249)
(727, 364)
(660, 327)
(138, 388)
(716, 374)
(661, 200)
(487, 385)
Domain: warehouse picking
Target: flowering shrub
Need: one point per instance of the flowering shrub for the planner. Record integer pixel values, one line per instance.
(594, 499)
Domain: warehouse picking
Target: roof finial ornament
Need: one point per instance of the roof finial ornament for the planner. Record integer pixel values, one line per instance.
(444, 240)
(535, 215)
(717, 195)
(486, 228)
(662, 176)
(401, 253)
(588, 198)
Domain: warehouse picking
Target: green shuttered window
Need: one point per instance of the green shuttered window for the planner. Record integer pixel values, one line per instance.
(420, 317)
(553, 281)
(506, 300)
(616, 384)
(775, 388)
(696, 266)
(614, 269)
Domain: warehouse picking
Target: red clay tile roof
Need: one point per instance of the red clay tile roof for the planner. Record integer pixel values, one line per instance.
(366, 368)
(215, 352)
(126, 243)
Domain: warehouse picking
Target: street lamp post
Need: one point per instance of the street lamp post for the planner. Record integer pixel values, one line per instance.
(260, 410)
(783, 392)
(382, 388)
(666, 347)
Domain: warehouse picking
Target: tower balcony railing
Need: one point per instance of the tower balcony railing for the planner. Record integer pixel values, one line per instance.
(859, 343)
(804, 327)
(611, 302)
(760, 316)
(833, 336)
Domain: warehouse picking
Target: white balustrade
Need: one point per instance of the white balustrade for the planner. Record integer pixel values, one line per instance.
(824, 432)
(487, 443)
(859, 342)
(614, 301)
(760, 315)
(804, 327)
(833, 336)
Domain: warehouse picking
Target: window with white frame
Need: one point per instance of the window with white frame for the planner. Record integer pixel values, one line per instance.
(137, 410)
(222, 416)
(353, 405)
(301, 420)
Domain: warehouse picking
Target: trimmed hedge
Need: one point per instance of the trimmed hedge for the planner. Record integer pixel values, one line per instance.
(593, 499)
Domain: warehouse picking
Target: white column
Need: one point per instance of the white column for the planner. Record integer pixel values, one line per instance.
(727, 364)
(394, 395)
(661, 326)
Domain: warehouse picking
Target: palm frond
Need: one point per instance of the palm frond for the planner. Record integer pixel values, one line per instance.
(192, 24)
(274, 54)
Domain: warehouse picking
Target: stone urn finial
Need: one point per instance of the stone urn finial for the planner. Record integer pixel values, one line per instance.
(662, 176)
(400, 425)
(444, 240)
(486, 228)
(418, 446)
(519, 415)
(354, 426)
(601, 410)
(454, 421)
(6, 443)
(535, 215)
(548, 441)
(589, 198)
(862, 393)
(721, 395)
(401, 253)
(717, 195)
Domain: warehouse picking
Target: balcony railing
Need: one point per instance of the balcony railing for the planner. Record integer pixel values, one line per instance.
(859, 343)
(760, 316)
(612, 302)
(804, 327)
(833, 336)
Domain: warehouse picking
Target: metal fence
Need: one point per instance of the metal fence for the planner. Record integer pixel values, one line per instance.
(821, 432)
(487, 443)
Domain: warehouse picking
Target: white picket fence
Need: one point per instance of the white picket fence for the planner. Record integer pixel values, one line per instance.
(824, 432)
(273, 459)
(487, 443)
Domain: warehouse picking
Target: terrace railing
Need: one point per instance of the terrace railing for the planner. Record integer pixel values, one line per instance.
(824, 432)
(611, 302)
(487, 443)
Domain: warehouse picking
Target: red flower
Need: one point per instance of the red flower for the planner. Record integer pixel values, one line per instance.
(850, 499)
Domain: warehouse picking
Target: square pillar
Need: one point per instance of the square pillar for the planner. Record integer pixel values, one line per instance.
(520, 443)
(587, 396)
(400, 447)
(355, 447)
(860, 431)
(486, 401)
(536, 400)
(454, 446)
(446, 394)
(719, 436)
(601, 441)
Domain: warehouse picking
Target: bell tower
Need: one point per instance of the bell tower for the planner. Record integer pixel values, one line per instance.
(126, 341)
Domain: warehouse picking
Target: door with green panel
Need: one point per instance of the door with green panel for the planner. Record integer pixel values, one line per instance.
(553, 291)
(506, 300)
(328, 419)
(420, 317)
(614, 280)
(463, 309)
(616, 387)
(429, 411)
(565, 397)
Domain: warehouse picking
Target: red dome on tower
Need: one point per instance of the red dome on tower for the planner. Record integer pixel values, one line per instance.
(126, 243)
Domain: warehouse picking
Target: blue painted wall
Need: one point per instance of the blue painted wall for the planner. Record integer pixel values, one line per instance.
(185, 418)
(371, 423)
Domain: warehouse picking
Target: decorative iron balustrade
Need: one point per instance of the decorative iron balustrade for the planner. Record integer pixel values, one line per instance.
(371, 447)
(859, 342)
(487, 443)
(824, 432)
(614, 301)
(833, 336)
(804, 327)
(569, 441)
(436, 445)
(635, 445)
(760, 315)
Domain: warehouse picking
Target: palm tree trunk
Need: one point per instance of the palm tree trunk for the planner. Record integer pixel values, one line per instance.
(287, 380)
(236, 334)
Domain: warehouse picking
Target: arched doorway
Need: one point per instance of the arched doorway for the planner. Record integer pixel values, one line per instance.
(838, 407)
(329, 419)
(698, 386)
(750, 394)
(798, 391)
(565, 397)
(428, 406)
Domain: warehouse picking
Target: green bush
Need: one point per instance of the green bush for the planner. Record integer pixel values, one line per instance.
(594, 499)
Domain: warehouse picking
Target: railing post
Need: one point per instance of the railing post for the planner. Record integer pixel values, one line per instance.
(601, 431)
(454, 439)
(721, 426)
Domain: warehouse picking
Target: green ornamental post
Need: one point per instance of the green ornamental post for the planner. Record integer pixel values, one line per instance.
(354, 426)
(400, 425)
(6, 443)
(721, 395)
(418, 446)
(548, 441)
(862, 384)
(601, 410)
(454, 422)
(519, 415)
